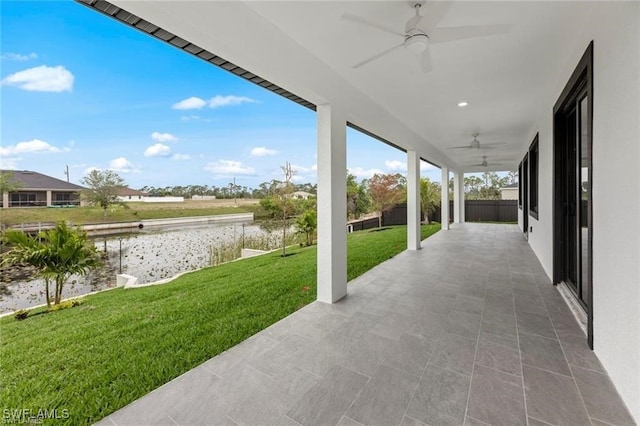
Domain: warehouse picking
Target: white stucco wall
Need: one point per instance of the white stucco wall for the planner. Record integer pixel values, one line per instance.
(615, 30)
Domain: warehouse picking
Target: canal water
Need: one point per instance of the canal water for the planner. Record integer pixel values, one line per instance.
(151, 255)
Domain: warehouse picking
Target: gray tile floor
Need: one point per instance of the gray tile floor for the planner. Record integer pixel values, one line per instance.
(468, 330)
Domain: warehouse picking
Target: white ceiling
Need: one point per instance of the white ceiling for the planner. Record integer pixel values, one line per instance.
(307, 48)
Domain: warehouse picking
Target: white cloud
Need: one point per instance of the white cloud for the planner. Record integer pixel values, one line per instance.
(181, 157)
(361, 173)
(157, 150)
(261, 151)
(18, 56)
(9, 163)
(296, 178)
(300, 169)
(314, 167)
(122, 165)
(32, 146)
(41, 79)
(163, 137)
(195, 102)
(229, 168)
(190, 103)
(396, 165)
(194, 118)
(220, 101)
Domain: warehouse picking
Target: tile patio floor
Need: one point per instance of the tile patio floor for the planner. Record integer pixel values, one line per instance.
(469, 330)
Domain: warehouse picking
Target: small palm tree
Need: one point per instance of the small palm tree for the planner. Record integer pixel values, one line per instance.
(56, 254)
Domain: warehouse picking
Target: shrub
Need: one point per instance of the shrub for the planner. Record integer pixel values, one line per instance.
(21, 314)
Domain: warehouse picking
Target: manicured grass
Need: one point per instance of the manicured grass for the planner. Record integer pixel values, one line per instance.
(127, 213)
(121, 344)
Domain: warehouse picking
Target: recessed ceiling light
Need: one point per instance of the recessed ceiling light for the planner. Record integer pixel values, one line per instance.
(463, 104)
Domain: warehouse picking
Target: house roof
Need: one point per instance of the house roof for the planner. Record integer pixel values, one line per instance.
(27, 179)
(513, 185)
(123, 191)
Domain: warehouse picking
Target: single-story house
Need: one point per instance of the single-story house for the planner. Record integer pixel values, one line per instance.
(302, 195)
(443, 82)
(510, 191)
(33, 189)
(128, 194)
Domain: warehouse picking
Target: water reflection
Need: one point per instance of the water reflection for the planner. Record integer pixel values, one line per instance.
(154, 254)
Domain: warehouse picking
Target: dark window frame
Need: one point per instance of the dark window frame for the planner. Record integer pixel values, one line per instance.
(520, 186)
(534, 177)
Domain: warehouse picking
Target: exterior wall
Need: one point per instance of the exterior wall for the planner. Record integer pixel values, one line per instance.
(509, 193)
(615, 29)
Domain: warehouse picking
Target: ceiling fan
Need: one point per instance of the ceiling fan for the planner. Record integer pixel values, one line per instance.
(475, 144)
(485, 163)
(422, 31)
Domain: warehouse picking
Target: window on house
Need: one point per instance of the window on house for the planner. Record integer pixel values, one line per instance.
(520, 189)
(533, 178)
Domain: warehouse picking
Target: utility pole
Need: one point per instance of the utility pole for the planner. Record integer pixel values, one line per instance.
(235, 199)
(66, 172)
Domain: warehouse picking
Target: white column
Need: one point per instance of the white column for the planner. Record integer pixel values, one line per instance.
(462, 199)
(413, 201)
(457, 201)
(332, 204)
(444, 205)
(49, 198)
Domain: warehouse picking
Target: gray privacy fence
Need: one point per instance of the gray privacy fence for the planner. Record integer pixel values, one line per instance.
(475, 211)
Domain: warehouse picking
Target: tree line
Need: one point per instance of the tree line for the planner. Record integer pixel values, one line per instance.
(226, 192)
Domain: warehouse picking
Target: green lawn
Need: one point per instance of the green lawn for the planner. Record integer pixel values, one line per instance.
(121, 344)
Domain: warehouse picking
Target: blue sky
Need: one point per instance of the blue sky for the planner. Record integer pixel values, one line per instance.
(82, 90)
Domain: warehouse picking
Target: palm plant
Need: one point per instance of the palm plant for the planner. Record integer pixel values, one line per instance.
(56, 254)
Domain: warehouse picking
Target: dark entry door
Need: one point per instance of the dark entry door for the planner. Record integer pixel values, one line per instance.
(572, 184)
(525, 196)
(569, 154)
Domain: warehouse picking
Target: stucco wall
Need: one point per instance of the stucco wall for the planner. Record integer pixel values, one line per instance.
(615, 30)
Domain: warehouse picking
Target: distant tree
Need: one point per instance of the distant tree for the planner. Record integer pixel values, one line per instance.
(285, 201)
(430, 197)
(485, 187)
(8, 183)
(102, 188)
(56, 254)
(386, 190)
(358, 201)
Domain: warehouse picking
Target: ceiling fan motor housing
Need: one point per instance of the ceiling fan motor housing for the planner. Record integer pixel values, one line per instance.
(416, 41)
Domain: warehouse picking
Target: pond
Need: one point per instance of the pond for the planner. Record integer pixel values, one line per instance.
(152, 255)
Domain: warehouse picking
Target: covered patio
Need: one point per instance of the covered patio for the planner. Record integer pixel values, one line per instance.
(468, 330)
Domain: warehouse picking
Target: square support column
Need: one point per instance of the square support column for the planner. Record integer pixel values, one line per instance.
(463, 201)
(332, 204)
(49, 198)
(413, 201)
(444, 204)
(458, 197)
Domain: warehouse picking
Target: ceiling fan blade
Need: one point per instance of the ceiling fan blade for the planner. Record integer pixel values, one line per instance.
(377, 56)
(425, 61)
(443, 35)
(459, 147)
(359, 20)
(435, 11)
